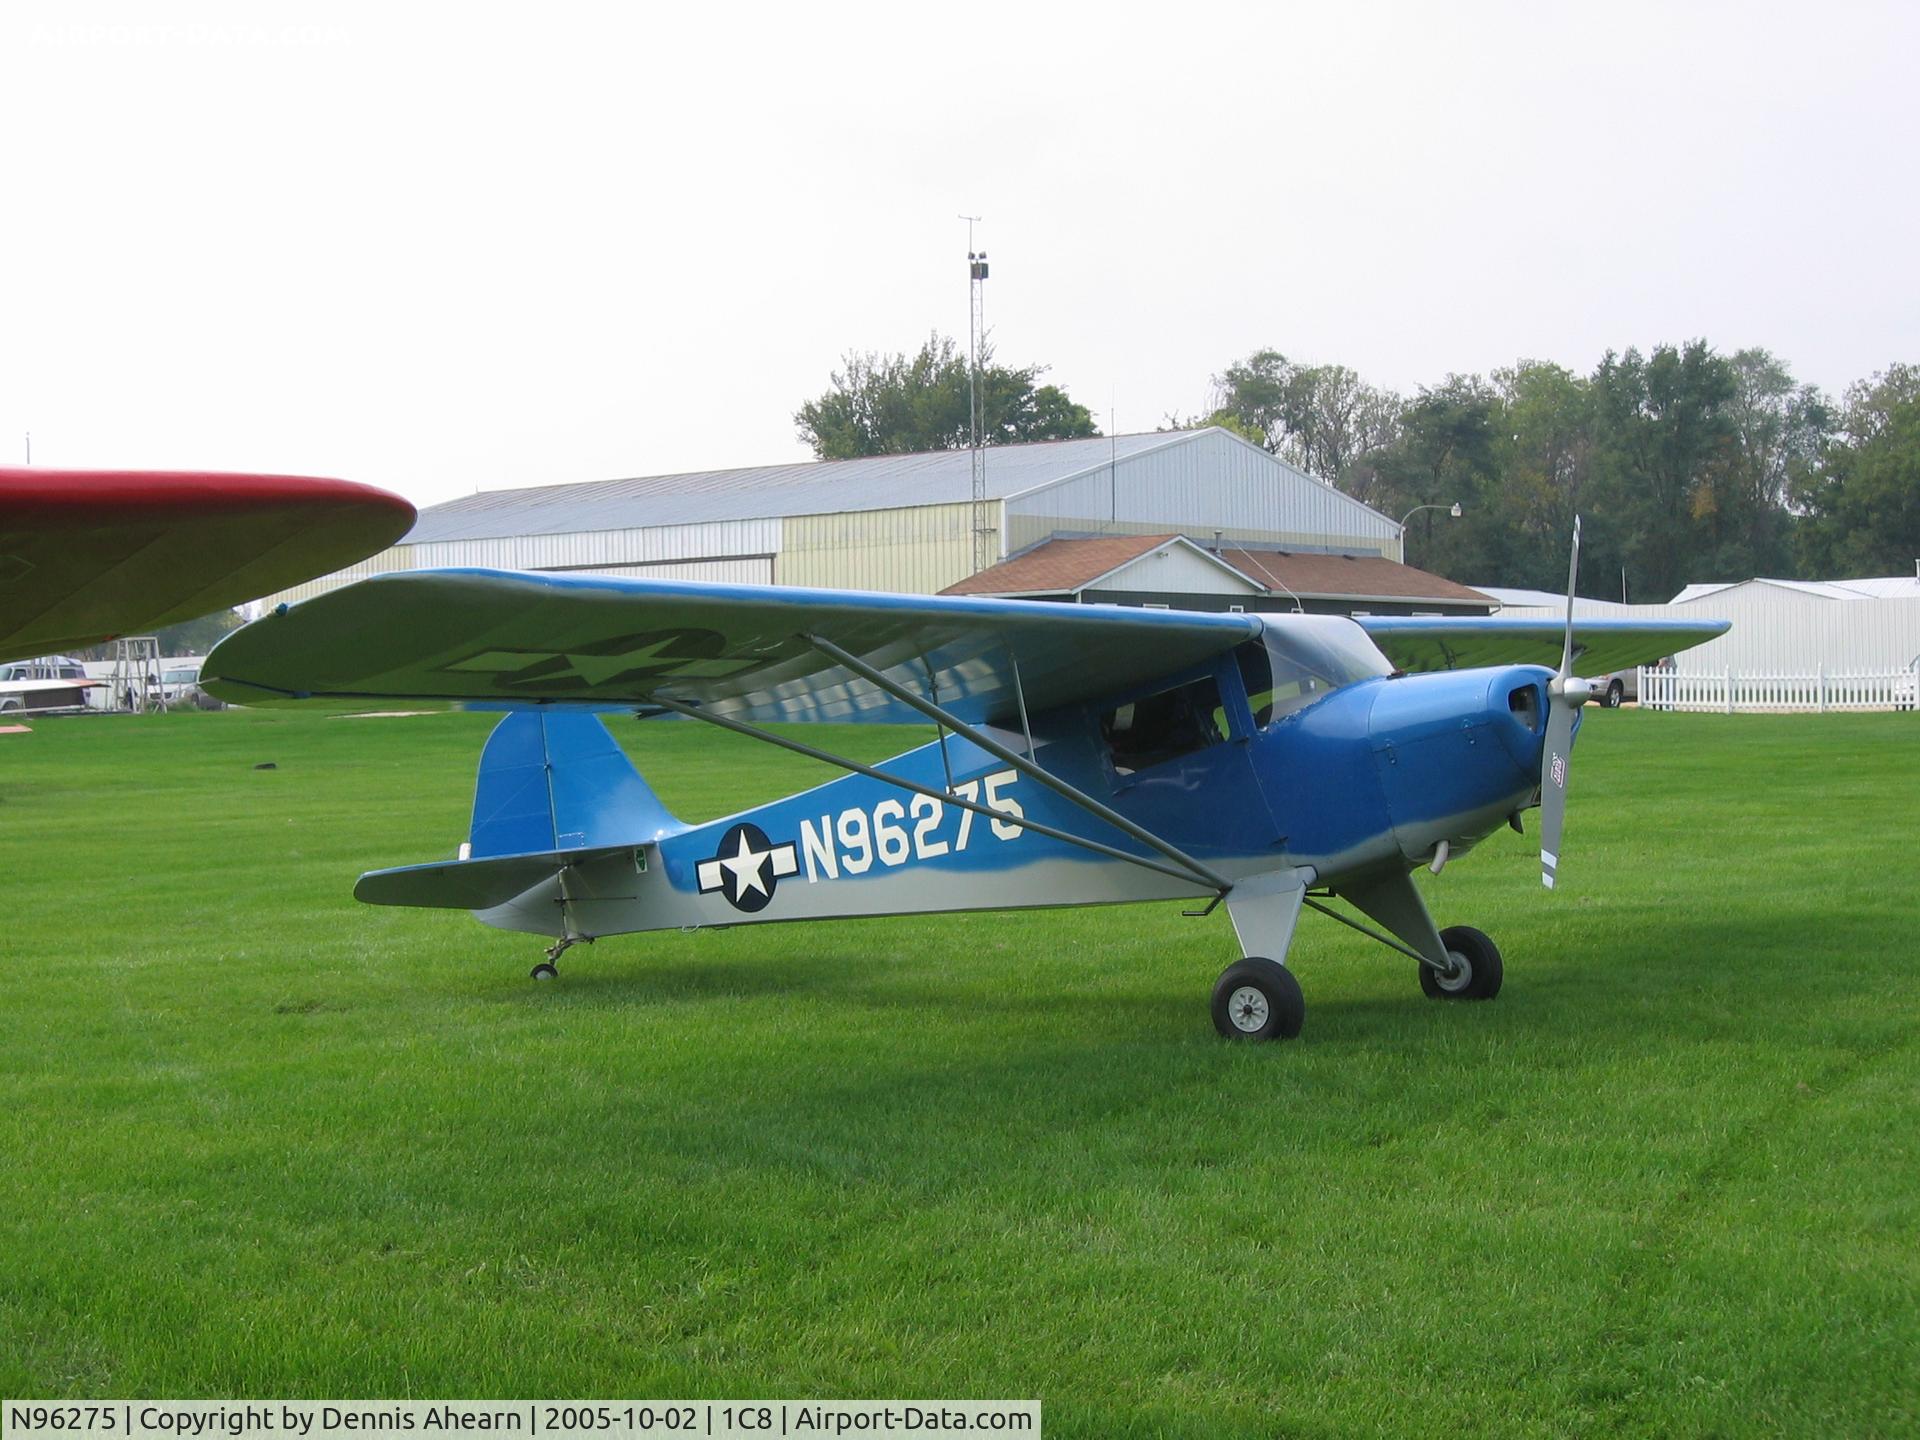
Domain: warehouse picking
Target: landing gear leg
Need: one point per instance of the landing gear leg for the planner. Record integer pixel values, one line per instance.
(569, 937)
(1459, 963)
(1258, 998)
(546, 969)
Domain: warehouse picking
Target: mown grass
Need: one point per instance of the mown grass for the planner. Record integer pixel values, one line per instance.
(256, 1139)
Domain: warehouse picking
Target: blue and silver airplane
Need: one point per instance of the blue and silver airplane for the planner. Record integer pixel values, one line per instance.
(1085, 755)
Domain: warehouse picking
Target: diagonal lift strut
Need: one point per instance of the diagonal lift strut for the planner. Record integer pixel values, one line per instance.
(813, 752)
(939, 715)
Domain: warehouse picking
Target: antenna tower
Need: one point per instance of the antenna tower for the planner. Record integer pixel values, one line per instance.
(984, 547)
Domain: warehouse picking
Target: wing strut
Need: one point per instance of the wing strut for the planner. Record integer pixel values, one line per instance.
(933, 694)
(1020, 694)
(754, 732)
(1212, 878)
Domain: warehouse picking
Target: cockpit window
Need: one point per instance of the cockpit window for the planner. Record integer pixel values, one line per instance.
(1157, 728)
(1298, 659)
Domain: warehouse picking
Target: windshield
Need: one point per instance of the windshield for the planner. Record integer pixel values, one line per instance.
(1301, 658)
(181, 677)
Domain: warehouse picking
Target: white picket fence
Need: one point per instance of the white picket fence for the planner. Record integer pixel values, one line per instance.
(1667, 689)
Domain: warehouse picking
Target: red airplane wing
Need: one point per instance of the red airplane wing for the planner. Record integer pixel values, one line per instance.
(87, 555)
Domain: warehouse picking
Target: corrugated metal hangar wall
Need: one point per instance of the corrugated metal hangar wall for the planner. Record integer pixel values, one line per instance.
(1777, 630)
(897, 522)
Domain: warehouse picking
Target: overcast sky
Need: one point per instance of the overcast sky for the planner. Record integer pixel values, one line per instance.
(447, 247)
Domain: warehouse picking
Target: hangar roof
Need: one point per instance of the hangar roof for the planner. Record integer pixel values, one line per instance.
(817, 487)
(1878, 587)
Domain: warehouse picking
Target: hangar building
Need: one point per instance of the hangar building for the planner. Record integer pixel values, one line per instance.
(893, 522)
(1790, 628)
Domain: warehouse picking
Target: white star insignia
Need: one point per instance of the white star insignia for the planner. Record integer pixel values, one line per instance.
(746, 863)
(747, 872)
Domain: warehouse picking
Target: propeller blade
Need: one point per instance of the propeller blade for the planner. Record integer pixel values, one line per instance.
(1555, 767)
(1565, 695)
(1573, 576)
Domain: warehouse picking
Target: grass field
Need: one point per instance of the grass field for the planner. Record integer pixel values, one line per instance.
(257, 1139)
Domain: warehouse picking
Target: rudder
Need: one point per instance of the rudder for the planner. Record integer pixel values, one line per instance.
(553, 780)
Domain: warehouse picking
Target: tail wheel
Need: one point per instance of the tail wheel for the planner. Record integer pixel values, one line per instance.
(1476, 973)
(1258, 999)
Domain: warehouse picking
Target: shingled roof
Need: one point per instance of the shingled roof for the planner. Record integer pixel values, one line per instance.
(1059, 566)
(1066, 566)
(1348, 577)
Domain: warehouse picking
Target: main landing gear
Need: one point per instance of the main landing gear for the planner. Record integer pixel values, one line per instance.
(1258, 999)
(1476, 971)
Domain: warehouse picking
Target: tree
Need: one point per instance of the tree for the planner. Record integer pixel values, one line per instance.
(1544, 453)
(1446, 453)
(1249, 398)
(1780, 430)
(1684, 464)
(1863, 505)
(1663, 436)
(1323, 418)
(900, 404)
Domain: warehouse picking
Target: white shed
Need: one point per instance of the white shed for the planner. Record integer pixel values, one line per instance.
(1799, 633)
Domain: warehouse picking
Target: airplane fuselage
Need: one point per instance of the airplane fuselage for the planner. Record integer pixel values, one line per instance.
(1361, 779)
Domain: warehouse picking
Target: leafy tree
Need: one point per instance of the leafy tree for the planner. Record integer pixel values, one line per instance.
(1323, 418)
(1781, 429)
(1340, 423)
(1863, 506)
(1544, 451)
(900, 404)
(1250, 398)
(1446, 453)
(1663, 437)
(1685, 464)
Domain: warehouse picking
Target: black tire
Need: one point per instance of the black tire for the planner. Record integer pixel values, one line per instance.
(545, 970)
(1616, 692)
(1480, 972)
(1258, 999)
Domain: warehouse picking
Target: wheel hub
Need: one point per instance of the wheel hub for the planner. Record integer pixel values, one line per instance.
(1247, 1007)
(1459, 977)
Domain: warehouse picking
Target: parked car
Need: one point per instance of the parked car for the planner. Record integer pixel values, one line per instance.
(1614, 689)
(1617, 687)
(180, 685)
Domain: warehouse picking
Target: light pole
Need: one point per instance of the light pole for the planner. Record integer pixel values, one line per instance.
(1453, 510)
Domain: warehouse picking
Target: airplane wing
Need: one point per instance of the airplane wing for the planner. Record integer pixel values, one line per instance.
(38, 687)
(493, 636)
(1462, 642)
(88, 555)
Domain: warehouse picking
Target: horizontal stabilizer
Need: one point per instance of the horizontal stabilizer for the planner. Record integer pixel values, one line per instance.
(471, 884)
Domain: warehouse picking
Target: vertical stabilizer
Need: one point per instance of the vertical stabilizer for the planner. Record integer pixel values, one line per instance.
(556, 780)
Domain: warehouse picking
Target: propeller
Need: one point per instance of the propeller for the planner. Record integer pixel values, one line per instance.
(1566, 694)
